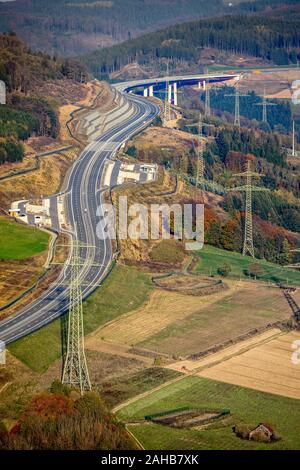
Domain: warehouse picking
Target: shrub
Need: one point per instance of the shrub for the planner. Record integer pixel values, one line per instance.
(131, 151)
(224, 270)
(255, 270)
(242, 431)
(158, 361)
(59, 389)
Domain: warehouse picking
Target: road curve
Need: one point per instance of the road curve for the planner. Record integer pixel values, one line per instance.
(84, 197)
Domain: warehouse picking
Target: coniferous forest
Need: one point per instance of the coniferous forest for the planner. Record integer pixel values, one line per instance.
(273, 40)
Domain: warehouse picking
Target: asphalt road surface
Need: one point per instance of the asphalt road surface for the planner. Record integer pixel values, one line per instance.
(84, 198)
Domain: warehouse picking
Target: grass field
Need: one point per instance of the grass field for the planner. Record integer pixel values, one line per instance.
(211, 258)
(248, 406)
(125, 289)
(19, 242)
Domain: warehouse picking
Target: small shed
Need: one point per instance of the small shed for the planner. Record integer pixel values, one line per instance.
(263, 428)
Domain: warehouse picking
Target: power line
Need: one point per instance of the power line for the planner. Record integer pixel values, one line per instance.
(264, 105)
(237, 114)
(75, 370)
(248, 188)
(200, 159)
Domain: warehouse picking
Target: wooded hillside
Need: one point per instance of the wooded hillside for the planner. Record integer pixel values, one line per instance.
(25, 114)
(267, 38)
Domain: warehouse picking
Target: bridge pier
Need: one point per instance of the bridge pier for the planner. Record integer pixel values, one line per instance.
(145, 93)
(175, 94)
(150, 90)
(170, 94)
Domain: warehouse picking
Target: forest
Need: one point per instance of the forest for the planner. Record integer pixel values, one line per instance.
(21, 69)
(73, 27)
(61, 419)
(226, 152)
(26, 115)
(270, 39)
(70, 27)
(279, 116)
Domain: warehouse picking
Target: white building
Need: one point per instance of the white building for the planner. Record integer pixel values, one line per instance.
(2, 92)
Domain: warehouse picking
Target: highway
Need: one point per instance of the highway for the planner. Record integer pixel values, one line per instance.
(84, 195)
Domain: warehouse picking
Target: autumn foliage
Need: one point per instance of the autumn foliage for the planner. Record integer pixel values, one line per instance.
(65, 421)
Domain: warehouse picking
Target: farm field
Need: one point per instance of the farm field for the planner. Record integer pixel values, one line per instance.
(246, 406)
(211, 258)
(177, 324)
(196, 365)
(267, 367)
(19, 242)
(250, 306)
(162, 310)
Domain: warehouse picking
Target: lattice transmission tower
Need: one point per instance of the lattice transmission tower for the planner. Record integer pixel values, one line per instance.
(248, 188)
(75, 372)
(199, 151)
(200, 159)
(237, 115)
(265, 105)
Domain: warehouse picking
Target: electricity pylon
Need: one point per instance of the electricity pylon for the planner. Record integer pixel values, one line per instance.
(237, 115)
(200, 160)
(248, 246)
(293, 152)
(75, 371)
(264, 105)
